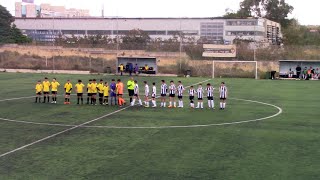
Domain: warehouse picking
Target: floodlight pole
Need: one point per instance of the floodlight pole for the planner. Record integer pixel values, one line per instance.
(256, 69)
(213, 69)
(180, 48)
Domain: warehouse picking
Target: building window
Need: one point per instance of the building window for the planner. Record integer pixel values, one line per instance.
(244, 33)
(242, 23)
(212, 31)
(156, 32)
(73, 32)
(100, 32)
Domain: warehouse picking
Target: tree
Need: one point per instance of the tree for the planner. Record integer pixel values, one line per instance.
(275, 10)
(6, 20)
(9, 33)
(135, 39)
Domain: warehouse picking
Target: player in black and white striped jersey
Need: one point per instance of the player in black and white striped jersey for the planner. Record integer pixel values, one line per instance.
(192, 92)
(146, 94)
(172, 95)
(163, 92)
(200, 96)
(180, 94)
(209, 90)
(154, 95)
(136, 95)
(223, 92)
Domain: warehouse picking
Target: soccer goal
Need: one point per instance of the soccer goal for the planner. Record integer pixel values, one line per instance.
(233, 69)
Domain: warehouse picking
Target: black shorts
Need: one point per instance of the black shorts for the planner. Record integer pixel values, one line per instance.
(210, 98)
(45, 93)
(89, 94)
(163, 95)
(200, 98)
(191, 98)
(172, 95)
(54, 92)
(101, 95)
(179, 97)
(79, 94)
(131, 92)
(38, 93)
(68, 94)
(223, 98)
(106, 97)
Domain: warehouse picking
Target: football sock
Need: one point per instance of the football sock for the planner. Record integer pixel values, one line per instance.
(39, 99)
(48, 98)
(81, 100)
(52, 98)
(201, 104)
(181, 105)
(220, 104)
(65, 99)
(36, 99)
(174, 104)
(78, 100)
(147, 104)
(212, 103)
(198, 105)
(170, 103)
(140, 102)
(130, 99)
(44, 99)
(153, 102)
(209, 104)
(164, 104)
(161, 104)
(133, 101)
(87, 100)
(224, 105)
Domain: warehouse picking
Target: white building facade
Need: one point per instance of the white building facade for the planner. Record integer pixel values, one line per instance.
(212, 29)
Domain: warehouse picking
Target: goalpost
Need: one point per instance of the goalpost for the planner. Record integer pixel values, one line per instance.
(235, 69)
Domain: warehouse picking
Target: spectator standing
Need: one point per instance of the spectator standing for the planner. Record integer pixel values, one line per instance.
(136, 69)
(298, 70)
(130, 68)
(121, 68)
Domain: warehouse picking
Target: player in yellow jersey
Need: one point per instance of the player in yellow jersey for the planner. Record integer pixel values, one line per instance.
(79, 90)
(46, 89)
(39, 89)
(100, 91)
(67, 89)
(89, 97)
(94, 92)
(106, 94)
(54, 90)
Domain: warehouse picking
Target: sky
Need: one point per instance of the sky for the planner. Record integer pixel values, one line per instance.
(305, 10)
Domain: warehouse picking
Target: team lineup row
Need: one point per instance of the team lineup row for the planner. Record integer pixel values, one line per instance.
(115, 92)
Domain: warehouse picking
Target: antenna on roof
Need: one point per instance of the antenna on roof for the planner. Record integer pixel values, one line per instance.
(102, 10)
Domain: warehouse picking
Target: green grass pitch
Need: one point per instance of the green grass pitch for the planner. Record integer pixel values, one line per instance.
(286, 146)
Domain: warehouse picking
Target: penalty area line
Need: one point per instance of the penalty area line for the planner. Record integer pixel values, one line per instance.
(72, 128)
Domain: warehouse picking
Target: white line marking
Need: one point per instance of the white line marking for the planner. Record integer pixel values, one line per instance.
(16, 98)
(61, 132)
(200, 125)
(69, 129)
(161, 127)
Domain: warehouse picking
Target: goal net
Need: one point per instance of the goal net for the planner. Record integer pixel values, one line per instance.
(235, 69)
